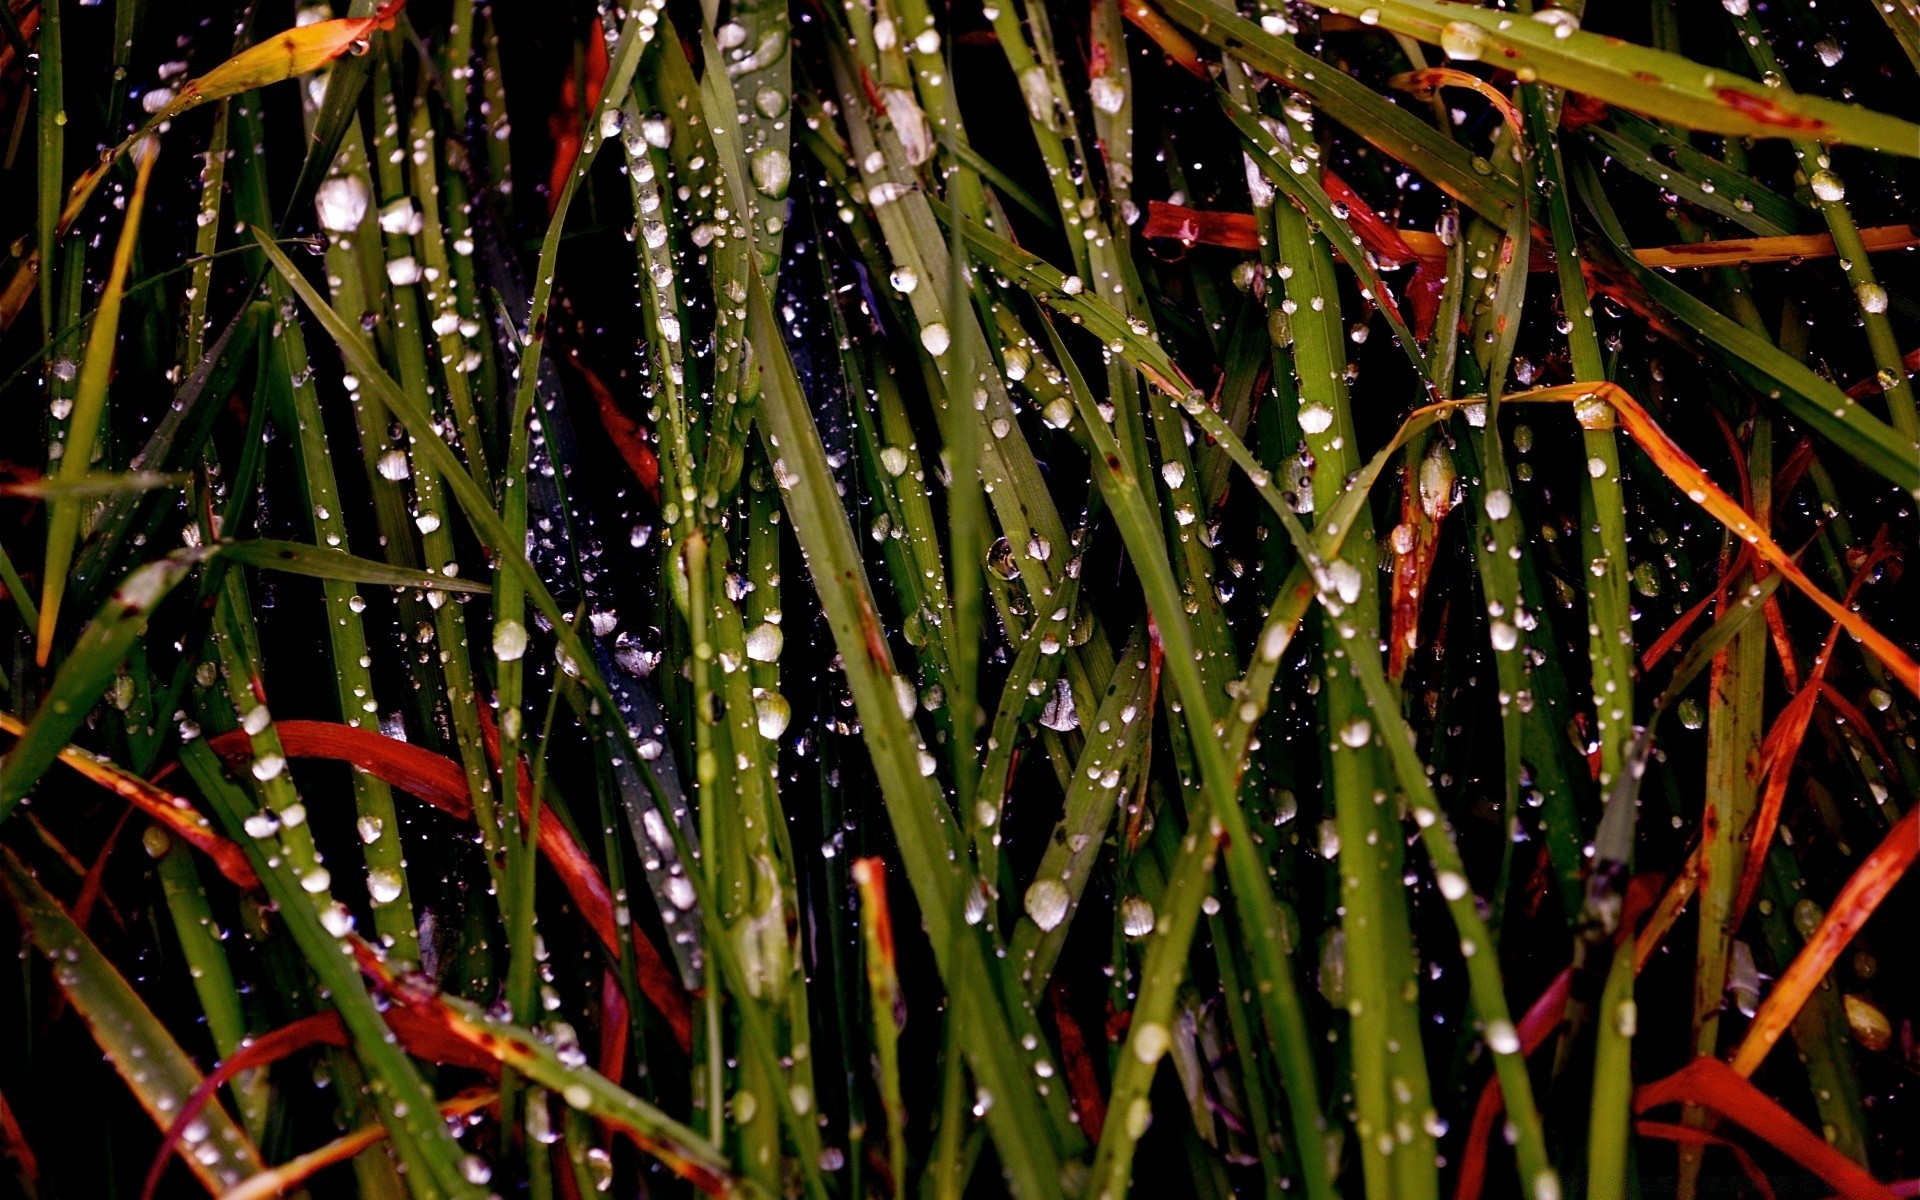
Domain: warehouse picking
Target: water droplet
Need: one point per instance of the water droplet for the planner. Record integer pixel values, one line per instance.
(341, 203)
(1501, 1038)
(771, 171)
(509, 641)
(1059, 714)
(772, 714)
(1868, 1024)
(1626, 1018)
(1463, 40)
(1047, 902)
(401, 217)
(764, 641)
(1150, 1042)
(403, 271)
(1564, 23)
(385, 884)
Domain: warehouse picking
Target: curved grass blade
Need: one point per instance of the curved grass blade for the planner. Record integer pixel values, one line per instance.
(1699, 488)
(157, 1070)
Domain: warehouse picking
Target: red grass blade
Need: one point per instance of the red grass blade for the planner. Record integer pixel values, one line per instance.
(1542, 1018)
(1687, 1135)
(1713, 1085)
(180, 818)
(440, 782)
(320, 1029)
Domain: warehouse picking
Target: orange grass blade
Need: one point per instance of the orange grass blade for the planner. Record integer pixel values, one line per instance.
(1171, 41)
(179, 817)
(1790, 248)
(287, 54)
(1686, 474)
(1423, 83)
(290, 1175)
(1863, 892)
(1782, 745)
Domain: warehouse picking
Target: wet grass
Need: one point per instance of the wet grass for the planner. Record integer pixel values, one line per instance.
(889, 600)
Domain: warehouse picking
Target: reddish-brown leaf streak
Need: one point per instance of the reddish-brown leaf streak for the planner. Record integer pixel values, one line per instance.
(1768, 112)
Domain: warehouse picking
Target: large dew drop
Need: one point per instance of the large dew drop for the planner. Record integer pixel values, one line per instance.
(1136, 917)
(385, 884)
(764, 641)
(342, 203)
(1150, 1042)
(772, 713)
(1463, 40)
(1047, 902)
(771, 171)
(509, 641)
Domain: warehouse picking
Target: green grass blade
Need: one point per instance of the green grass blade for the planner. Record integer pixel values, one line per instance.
(89, 412)
(134, 1040)
(97, 653)
(1654, 82)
